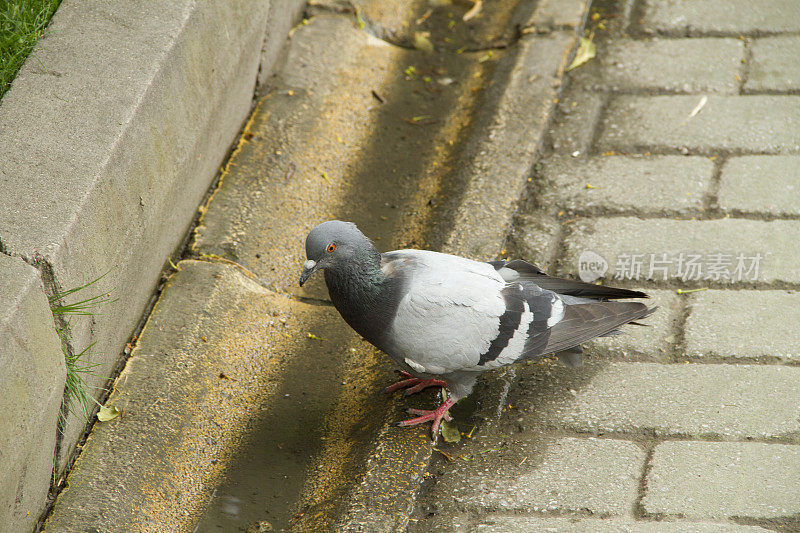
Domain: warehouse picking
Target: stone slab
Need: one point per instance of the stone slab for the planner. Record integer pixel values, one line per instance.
(574, 126)
(761, 185)
(732, 17)
(554, 477)
(497, 161)
(669, 65)
(773, 64)
(718, 480)
(744, 325)
(694, 400)
(665, 184)
(535, 238)
(653, 342)
(724, 251)
(558, 14)
(754, 123)
(517, 523)
(219, 358)
(149, 114)
(32, 375)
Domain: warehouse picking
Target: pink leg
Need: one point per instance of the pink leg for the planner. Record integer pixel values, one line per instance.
(425, 412)
(413, 385)
(436, 416)
(403, 384)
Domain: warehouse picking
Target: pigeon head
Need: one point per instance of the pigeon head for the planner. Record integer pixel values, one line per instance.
(335, 244)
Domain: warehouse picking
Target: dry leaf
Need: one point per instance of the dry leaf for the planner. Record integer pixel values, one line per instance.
(422, 42)
(586, 51)
(450, 431)
(107, 413)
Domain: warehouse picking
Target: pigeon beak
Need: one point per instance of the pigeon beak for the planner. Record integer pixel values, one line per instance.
(309, 267)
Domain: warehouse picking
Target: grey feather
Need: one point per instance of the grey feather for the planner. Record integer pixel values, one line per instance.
(444, 316)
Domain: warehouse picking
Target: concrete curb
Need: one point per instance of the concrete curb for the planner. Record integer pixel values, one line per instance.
(111, 135)
(32, 374)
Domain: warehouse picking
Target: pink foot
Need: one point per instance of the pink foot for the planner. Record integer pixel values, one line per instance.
(413, 385)
(436, 416)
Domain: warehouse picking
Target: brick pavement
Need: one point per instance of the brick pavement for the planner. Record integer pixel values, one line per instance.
(692, 424)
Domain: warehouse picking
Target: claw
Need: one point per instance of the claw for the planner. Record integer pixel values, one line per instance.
(436, 416)
(413, 385)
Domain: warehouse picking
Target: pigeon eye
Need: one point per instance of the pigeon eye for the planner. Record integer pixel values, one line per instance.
(331, 247)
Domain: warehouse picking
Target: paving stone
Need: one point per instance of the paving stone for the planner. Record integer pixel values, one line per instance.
(517, 523)
(554, 478)
(626, 183)
(32, 374)
(774, 65)
(721, 16)
(673, 65)
(651, 342)
(558, 13)
(535, 238)
(754, 123)
(576, 121)
(742, 324)
(708, 400)
(719, 480)
(732, 250)
(761, 184)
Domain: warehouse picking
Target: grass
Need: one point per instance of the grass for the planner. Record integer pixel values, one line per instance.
(78, 392)
(22, 23)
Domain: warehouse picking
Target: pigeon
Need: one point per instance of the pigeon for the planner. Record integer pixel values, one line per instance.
(445, 319)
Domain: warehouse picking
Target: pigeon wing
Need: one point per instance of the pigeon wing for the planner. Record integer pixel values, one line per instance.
(449, 312)
(517, 270)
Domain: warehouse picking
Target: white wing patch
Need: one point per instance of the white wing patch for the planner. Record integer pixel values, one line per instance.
(556, 313)
(416, 366)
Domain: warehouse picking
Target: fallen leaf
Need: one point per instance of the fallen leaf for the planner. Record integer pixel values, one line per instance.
(359, 21)
(314, 337)
(450, 431)
(586, 51)
(107, 413)
(422, 42)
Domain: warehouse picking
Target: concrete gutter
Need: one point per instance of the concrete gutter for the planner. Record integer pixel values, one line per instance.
(110, 136)
(436, 156)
